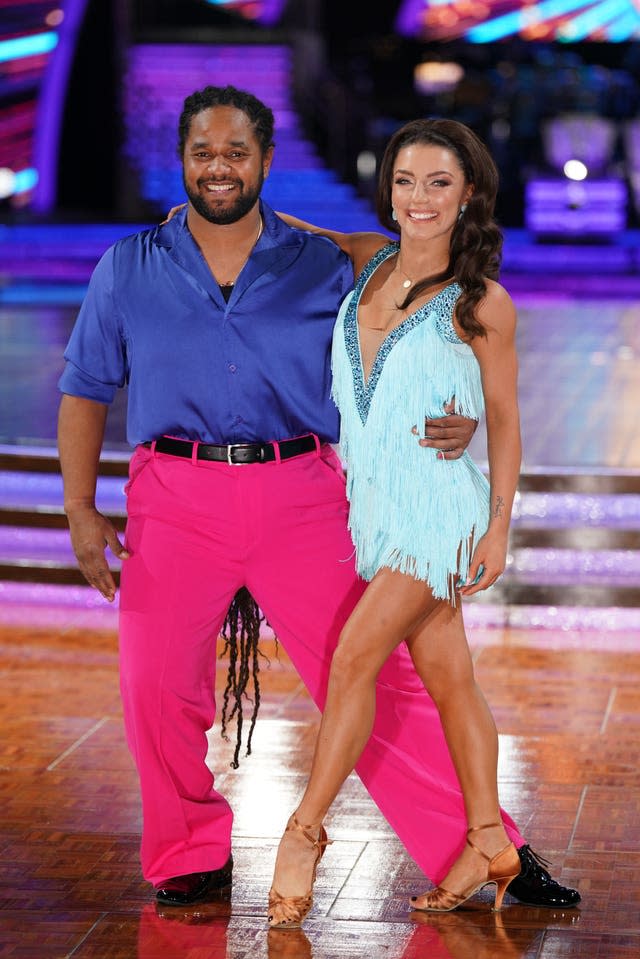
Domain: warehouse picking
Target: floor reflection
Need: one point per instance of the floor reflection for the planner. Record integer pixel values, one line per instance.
(479, 933)
(206, 930)
(289, 944)
(172, 932)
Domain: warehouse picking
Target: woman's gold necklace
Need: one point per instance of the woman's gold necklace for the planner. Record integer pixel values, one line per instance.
(407, 281)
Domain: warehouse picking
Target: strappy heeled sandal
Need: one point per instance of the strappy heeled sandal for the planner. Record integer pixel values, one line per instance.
(288, 912)
(502, 868)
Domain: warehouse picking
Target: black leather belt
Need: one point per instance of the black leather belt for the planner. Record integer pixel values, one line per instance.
(237, 454)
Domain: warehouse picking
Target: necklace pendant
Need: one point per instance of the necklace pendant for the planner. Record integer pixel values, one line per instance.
(407, 284)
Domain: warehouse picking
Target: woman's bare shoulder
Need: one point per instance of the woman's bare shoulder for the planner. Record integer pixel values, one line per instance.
(365, 247)
(496, 309)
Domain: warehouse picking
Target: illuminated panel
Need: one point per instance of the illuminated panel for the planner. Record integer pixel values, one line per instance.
(33, 44)
(591, 208)
(487, 21)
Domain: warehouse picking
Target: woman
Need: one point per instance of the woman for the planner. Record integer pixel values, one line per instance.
(426, 324)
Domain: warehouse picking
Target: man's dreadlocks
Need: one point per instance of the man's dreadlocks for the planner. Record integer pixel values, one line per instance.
(241, 632)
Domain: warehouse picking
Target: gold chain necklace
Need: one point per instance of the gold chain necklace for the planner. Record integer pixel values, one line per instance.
(407, 281)
(244, 262)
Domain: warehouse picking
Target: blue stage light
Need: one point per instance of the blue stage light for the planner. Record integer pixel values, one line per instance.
(518, 20)
(25, 180)
(581, 26)
(628, 25)
(20, 47)
(567, 21)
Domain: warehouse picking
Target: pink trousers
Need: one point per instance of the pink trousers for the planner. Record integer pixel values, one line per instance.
(197, 531)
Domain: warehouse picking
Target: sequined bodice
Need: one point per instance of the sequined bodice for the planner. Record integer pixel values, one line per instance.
(444, 302)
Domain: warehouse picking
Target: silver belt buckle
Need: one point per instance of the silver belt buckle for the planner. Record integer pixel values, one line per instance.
(229, 460)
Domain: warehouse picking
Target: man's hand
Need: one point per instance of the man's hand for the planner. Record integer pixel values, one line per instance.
(90, 533)
(450, 434)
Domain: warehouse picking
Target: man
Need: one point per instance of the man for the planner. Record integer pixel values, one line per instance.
(220, 322)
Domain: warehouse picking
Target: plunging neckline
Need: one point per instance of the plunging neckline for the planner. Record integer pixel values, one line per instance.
(365, 389)
(410, 319)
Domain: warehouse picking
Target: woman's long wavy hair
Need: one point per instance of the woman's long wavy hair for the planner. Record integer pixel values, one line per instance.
(476, 241)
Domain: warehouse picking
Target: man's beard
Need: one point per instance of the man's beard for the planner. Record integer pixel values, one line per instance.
(228, 214)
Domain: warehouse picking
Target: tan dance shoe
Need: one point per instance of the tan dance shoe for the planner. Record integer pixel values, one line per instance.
(502, 868)
(288, 912)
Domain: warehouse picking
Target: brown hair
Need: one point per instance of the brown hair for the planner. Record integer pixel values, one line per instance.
(476, 241)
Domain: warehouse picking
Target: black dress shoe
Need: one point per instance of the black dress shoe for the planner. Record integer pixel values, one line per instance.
(536, 887)
(183, 890)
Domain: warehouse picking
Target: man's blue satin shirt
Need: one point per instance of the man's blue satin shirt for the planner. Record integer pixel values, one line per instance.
(257, 368)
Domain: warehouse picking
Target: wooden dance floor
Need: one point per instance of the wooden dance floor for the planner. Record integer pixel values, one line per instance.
(563, 681)
(569, 717)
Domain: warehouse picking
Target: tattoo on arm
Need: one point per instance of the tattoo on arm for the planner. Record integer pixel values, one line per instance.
(498, 509)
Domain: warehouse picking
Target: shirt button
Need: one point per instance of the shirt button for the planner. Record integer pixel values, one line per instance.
(232, 367)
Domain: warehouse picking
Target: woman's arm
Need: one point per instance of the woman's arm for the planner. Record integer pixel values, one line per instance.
(496, 354)
(359, 247)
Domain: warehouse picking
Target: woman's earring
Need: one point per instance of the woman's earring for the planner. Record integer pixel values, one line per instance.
(462, 209)
(394, 215)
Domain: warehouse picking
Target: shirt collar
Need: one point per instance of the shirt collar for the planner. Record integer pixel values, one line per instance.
(274, 252)
(276, 233)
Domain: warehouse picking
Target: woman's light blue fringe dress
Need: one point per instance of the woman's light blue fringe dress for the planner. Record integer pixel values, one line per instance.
(409, 510)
